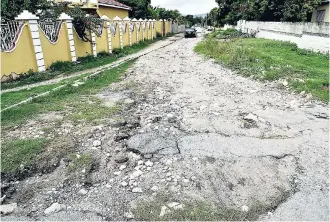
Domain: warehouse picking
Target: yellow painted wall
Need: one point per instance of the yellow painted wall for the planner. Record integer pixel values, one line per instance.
(126, 36)
(134, 40)
(82, 48)
(116, 39)
(22, 59)
(60, 51)
(149, 31)
(102, 42)
(112, 12)
(326, 16)
(140, 33)
(159, 26)
(146, 32)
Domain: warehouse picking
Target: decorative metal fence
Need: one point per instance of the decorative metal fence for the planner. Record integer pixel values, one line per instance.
(10, 31)
(51, 29)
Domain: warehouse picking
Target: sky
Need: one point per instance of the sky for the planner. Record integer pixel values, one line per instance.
(186, 7)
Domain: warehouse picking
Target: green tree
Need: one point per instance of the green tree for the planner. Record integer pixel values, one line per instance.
(12, 8)
(230, 11)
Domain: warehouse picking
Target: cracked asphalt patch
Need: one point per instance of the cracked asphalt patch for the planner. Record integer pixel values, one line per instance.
(196, 132)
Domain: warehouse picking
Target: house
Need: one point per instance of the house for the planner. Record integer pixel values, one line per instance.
(110, 8)
(321, 14)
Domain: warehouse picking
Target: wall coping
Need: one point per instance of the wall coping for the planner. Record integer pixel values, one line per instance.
(26, 15)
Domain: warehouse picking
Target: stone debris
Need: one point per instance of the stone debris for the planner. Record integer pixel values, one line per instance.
(164, 210)
(154, 188)
(121, 136)
(136, 174)
(251, 117)
(175, 206)
(54, 208)
(117, 173)
(2, 199)
(137, 190)
(149, 163)
(129, 215)
(97, 143)
(8, 208)
(245, 208)
(83, 191)
(122, 167)
(121, 159)
(124, 184)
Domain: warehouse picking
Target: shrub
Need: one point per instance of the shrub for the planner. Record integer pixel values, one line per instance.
(103, 54)
(61, 66)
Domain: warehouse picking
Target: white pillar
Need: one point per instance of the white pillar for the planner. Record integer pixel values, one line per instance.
(118, 20)
(68, 20)
(107, 21)
(127, 21)
(33, 23)
(94, 43)
(161, 26)
(141, 27)
(134, 23)
(153, 23)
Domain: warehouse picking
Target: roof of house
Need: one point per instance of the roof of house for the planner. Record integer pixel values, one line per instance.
(113, 4)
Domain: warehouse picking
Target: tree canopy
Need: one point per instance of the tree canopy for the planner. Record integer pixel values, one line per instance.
(230, 11)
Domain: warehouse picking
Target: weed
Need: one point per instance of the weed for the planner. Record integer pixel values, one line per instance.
(80, 162)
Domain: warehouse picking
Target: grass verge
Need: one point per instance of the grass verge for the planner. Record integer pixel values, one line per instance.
(20, 153)
(84, 63)
(272, 60)
(79, 103)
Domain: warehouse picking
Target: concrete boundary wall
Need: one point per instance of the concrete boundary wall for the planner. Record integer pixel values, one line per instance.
(307, 35)
(32, 40)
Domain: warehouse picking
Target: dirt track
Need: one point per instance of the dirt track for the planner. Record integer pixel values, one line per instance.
(210, 134)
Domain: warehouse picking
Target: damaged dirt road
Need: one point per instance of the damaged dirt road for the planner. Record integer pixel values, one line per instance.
(193, 141)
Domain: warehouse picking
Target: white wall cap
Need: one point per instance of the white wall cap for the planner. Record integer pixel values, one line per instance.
(64, 16)
(26, 15)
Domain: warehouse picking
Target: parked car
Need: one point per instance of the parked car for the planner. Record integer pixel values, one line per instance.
(190, 32)
(209, 28)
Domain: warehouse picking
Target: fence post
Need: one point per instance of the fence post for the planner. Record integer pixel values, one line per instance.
(128, 21)
(68, 20)
(153, 25)
(107, 22)
(134, 21)
(118, 20)
(141, 28)
(33, 24)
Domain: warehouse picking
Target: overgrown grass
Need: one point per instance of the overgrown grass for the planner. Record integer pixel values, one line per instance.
(272, 60)
(20, 152)
(226, 34)
(84, 63)
(79, 102)
(79, 163)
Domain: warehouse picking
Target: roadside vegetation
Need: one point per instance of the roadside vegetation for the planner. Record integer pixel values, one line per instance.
(20, 153)
(270, 60)
(77, 104)
(201, 210)
(80, 100)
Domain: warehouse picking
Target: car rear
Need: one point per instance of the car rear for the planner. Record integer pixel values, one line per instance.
(189, 32)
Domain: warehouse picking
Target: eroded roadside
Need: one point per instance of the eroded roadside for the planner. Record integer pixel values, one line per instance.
(191, 140)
